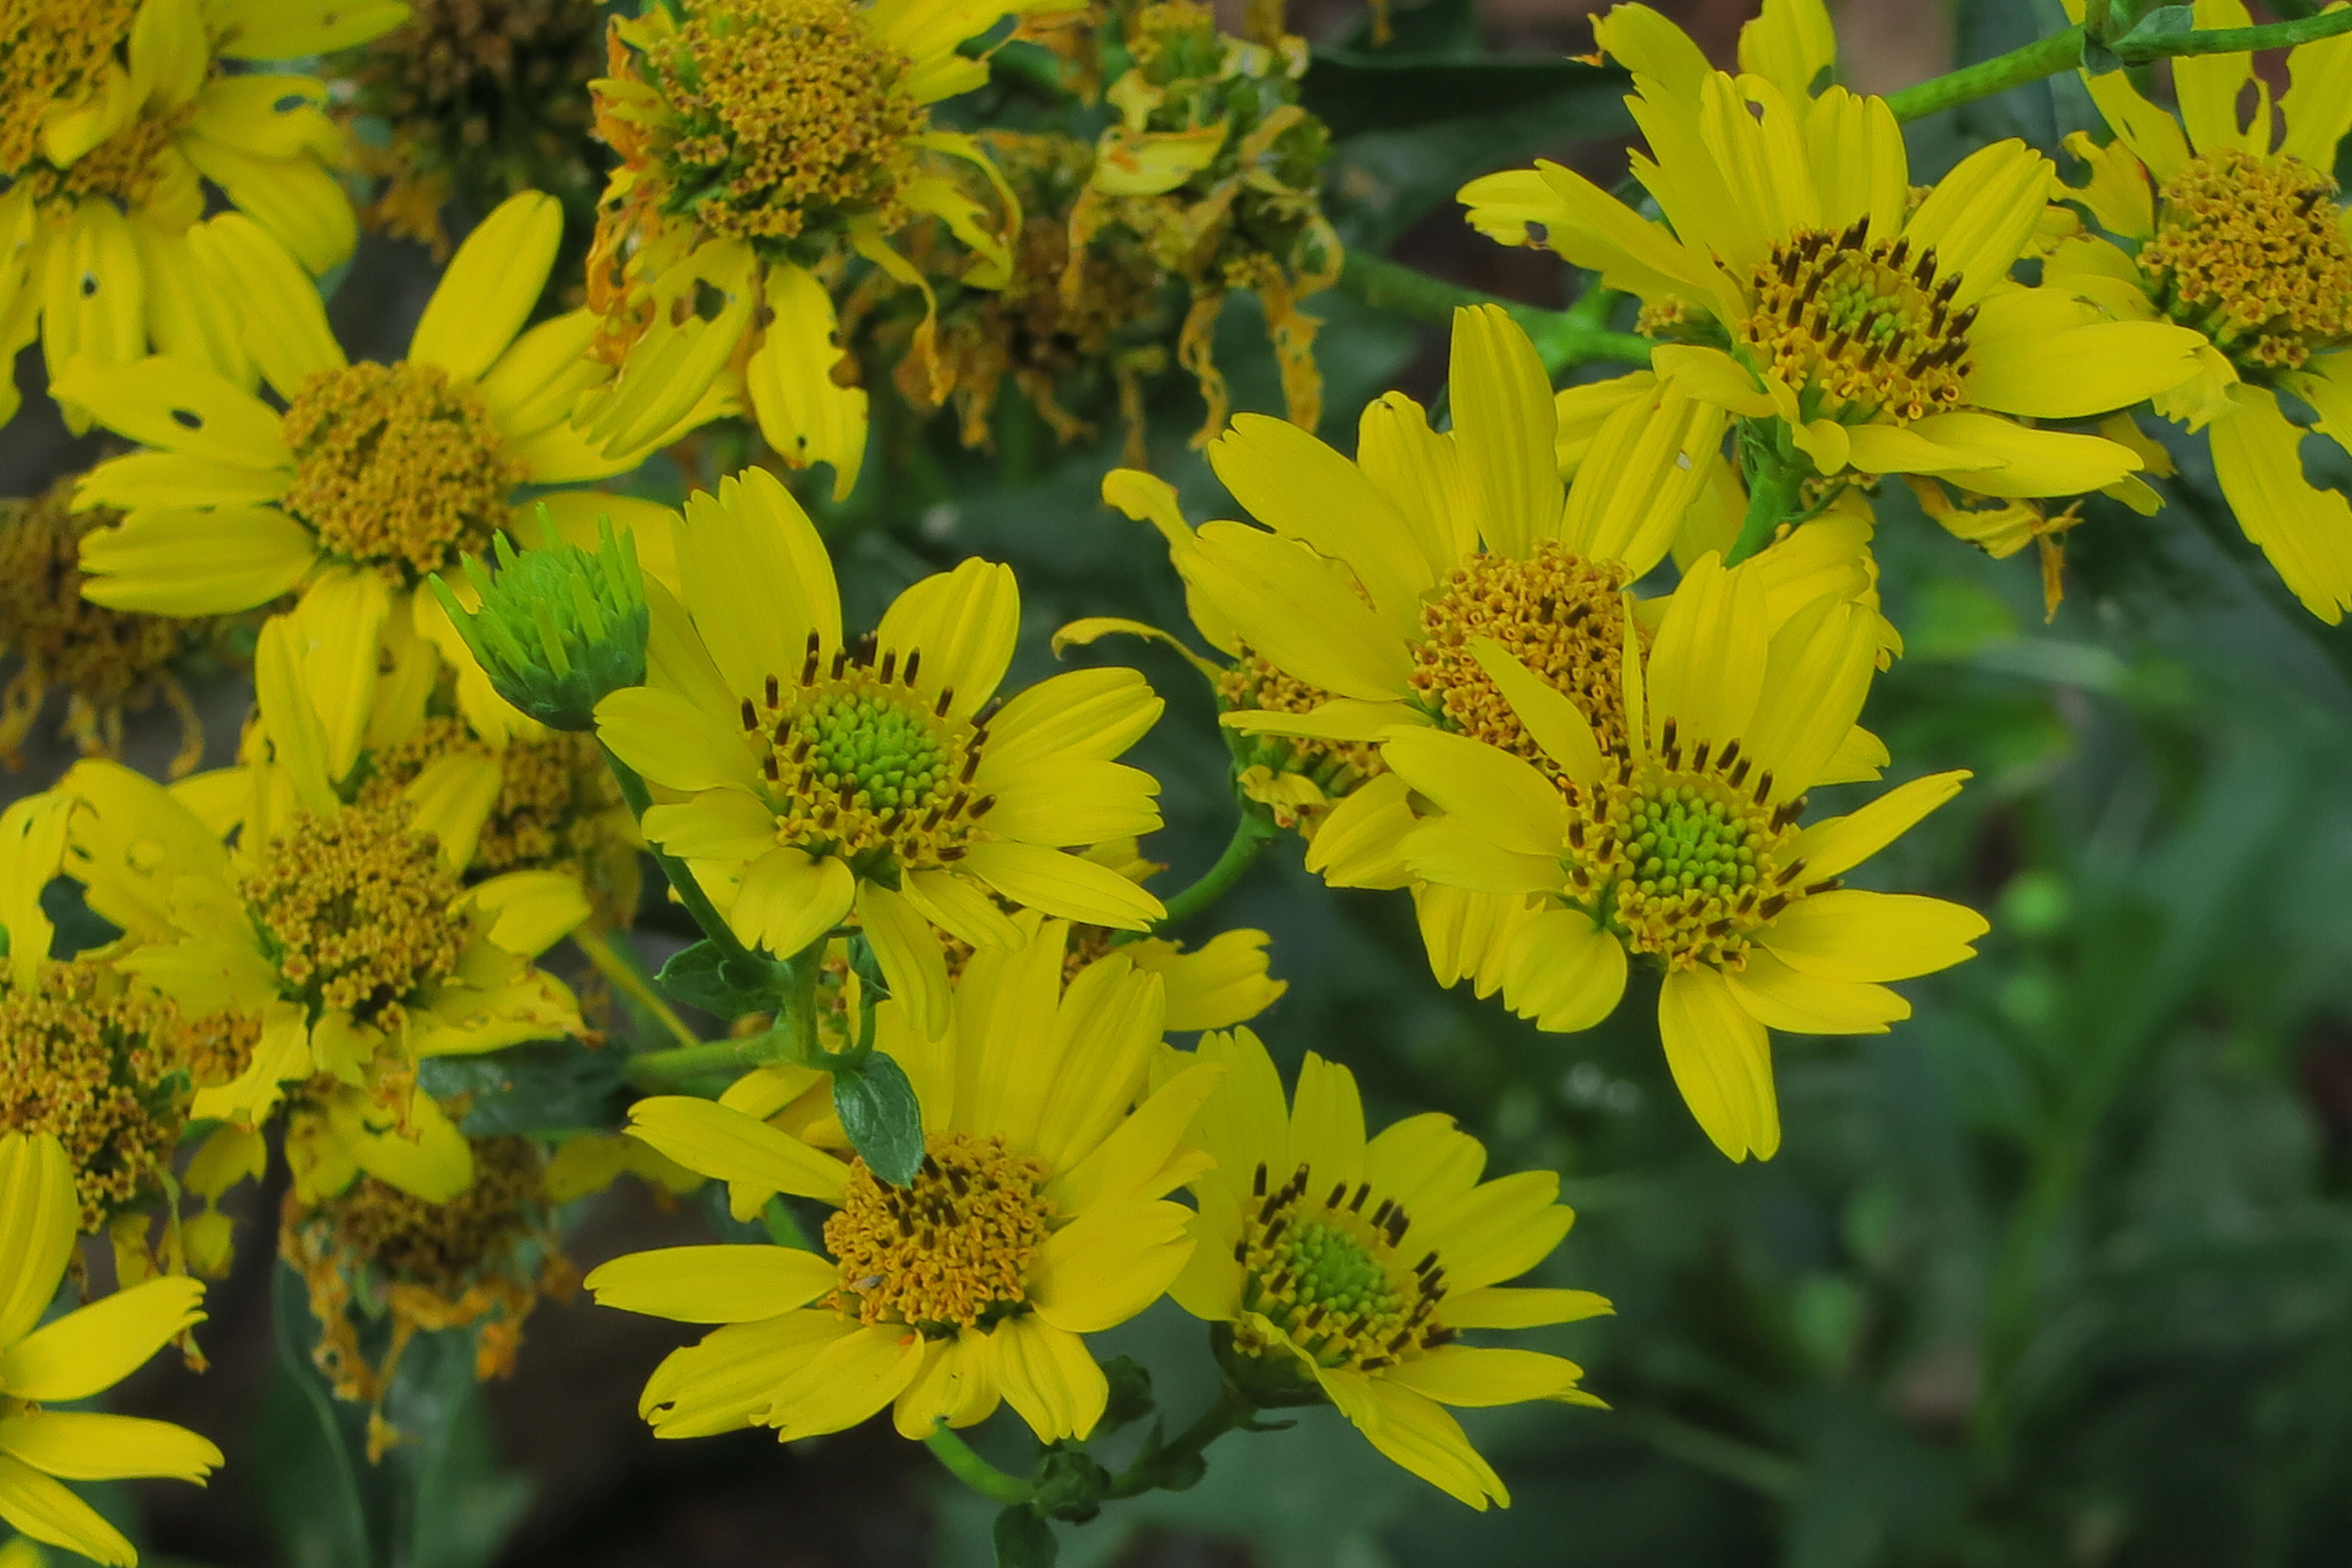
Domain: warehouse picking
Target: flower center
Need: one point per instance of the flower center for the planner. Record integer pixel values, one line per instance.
(2252, 255)
(396, 466)
(103, 655)
(1865, 327)
(1556, 613)
(444, 1246)
(354, 909)
(862, 765)
(107, 1073)
(1690, 855)
(781, 112)
(950, 1250)
(52, 52)
(1331, 1279)
(556, 802)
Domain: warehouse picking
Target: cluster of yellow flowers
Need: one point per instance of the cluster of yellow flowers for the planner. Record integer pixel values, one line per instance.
(1565, 670)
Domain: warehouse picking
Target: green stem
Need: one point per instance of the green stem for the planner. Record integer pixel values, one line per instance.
(975, 1471)
(616, 965)
(1230, 1411)
(689, 890)
(2064, 51)
(1562, 338)
(667, 1069)
(1773, 488)
(1252, 833)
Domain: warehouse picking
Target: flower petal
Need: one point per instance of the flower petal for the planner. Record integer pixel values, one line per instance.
(716, 1284)
(45, 1511)
(1848, 933)
(728, 1146)
(97, 1346)
(964, 623)
(79, 1447)
(1062, 884)
(39, 1215)
(672, 742)
(790, 899)
(1109, 1264)
(1722, 1062)
(1048, 1377)
(490, 287)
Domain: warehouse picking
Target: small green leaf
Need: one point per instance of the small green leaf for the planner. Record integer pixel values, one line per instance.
(546, 1087)
(1024, 1539)
(1070, 1484)
(1131, 1394)
(2162, 24)
(705, 976)
(878, 1109)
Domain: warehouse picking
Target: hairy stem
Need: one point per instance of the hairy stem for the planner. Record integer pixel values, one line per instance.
(975, 1472)
(1252, 833)
(689, 892)
(1230, 1411)
(617, 965)
(1773, 486)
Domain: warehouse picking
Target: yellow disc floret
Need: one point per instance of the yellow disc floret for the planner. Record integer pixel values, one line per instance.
(1336, 767)
(952, 1249)
(355, 909)
(781, 111)
(1866, 326)
(863, 765)
(52, 53)
(2252, 255)
(396, 466)
(1330, 1278)
(104, 1072)
(1691, 853)
(1556, 613)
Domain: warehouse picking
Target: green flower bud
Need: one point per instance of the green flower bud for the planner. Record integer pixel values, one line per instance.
(558, 628)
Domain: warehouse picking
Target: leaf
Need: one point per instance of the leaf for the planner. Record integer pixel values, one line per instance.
(1024, 1539)
(318, 1499)
(706, 975)
(1131, 1394)
(1553, 98)
(545, 1087)
(878, 1111)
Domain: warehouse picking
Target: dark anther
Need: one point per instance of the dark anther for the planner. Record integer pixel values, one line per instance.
(890, 665)
(750, 717)
(914, 662)
(1698, 757)
(947, 695)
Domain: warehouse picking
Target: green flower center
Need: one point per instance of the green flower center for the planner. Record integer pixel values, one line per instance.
(1859, 326)
(1689, 842)
(871, 744)
(1328, 1279)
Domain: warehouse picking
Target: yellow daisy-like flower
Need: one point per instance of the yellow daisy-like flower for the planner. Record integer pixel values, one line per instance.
(763, 145)
(1039, 1217)
(1886, 336)
(376, 476)
(113, 114)
(73, 1357)
(2235, 231)
(348, 931)
(828, 782)
(1354, 1265)
(1682, 845)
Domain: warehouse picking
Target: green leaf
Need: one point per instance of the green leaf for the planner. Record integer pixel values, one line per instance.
(705, 976)
(320, 1496)
(1131, 1398)
(1024, 1539)
(545, 1087)
(878, 1111)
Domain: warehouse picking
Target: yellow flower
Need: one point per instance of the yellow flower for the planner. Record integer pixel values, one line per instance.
(1683, 845)
(1044, 1219)
(1887, 336)
(376, 475)
(826, 782)
(73, 1357)
(1354, 1265)
(346, 931)
(108, 662)
(2237, 235)
(764, 144)
(111, 113)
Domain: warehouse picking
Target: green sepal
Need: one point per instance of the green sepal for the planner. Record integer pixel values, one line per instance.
(706, 975)
(1024, 1539)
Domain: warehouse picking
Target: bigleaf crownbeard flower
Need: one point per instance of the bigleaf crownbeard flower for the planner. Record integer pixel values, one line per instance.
(73, 1357)
(765, 145)
(2237, 235)
(1887, 338)
(376, 475)
(1039, 1215)
(113, 116)
(825, 782)
(1683, 847)
(1354, 1265)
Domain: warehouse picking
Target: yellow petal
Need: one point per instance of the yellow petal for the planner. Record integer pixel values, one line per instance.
(1837, 844)
(97, 1346)
(1412, 1429)
(1981, 215)
(274, 30)
(726, 1382)
(45, 1511)
(728, 1146)
(145, 480)
(286, 329)
(490, 287)
(790, 899)
(1480, 1375)
(1563, 971)
(1048, 1377)
(1779, 998)
(1420, 472)
(752, 566)
(713, 1284)
(1790, 45)
(215, 561)
(2077, 370)
(39, 1215)
(1500, 796)
(805, 414)
(296, 199)
(1109, 1264)
(672, 742)
(1524, 1307)
(2208, 86)
(2022, 462)
(1646, 43)
(1646, 465)
(2318, 106)
(78, 1447)
(1327, 1122)
(1296, 611)
(177, 407)
(1085, 714)
(1303, 490)
(910, 953)
(1722, 1062)
(965, 624)
(1504, 428)
(1551, 718)
(1848, 933)
(1062, 884)
(1706, 666)
(2306, 533)
(1450, 853)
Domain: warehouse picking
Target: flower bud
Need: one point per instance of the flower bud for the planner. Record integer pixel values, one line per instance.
(558, 628)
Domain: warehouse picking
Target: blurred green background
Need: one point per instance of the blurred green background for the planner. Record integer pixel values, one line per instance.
(2059, 1272)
